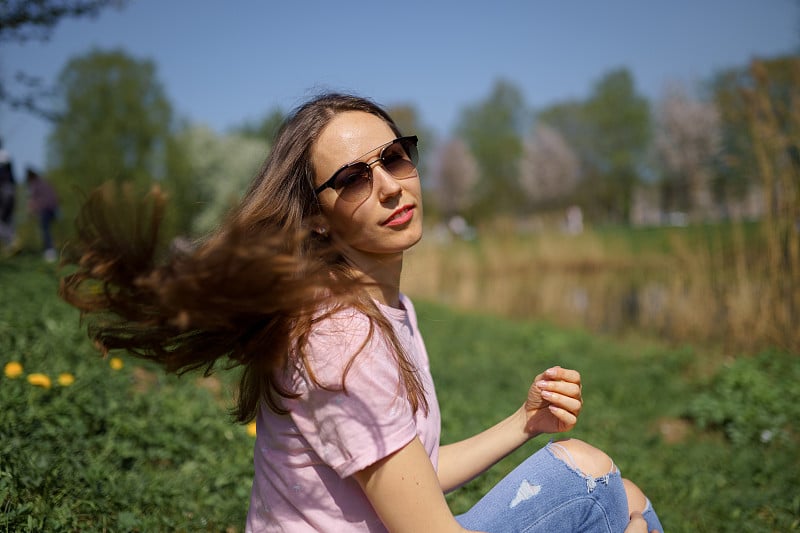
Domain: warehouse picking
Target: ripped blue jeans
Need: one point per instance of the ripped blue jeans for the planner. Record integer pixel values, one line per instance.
(548, 494)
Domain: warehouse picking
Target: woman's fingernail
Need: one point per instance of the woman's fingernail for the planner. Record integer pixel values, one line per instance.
(542, 384)
(547, 394)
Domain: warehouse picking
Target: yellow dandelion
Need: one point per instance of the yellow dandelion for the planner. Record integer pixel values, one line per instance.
(96, 289)
(13, 370)
(251, 429)
(116, 363)
(66, 379)
(39, 380)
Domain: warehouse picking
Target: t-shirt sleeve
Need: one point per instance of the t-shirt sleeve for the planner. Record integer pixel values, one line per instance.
(371, 418)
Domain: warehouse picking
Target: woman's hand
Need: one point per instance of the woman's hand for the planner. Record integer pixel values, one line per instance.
(637, 524)
(554, 401)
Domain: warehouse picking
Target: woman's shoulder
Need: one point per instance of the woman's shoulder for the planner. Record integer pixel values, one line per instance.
(338, 331)
(347, 329)
(337, 336)
(339, 319)
(407, 304)
(352, 317)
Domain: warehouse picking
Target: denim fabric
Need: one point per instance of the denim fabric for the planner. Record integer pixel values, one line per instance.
(650, 516)
(545, 494)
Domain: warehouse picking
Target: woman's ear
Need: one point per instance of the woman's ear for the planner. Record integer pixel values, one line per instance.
(318, 225)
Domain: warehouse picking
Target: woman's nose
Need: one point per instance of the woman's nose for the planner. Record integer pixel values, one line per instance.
(386, 184)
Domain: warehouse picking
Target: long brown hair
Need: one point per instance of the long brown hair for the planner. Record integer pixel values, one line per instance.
(247, 295)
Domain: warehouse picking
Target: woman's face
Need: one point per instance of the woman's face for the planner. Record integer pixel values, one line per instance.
(389, 220)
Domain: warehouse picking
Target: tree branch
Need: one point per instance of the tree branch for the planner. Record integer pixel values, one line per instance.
(22, 20)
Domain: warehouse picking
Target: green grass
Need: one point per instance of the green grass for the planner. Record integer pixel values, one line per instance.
(99, 455)
(645, 405)
(135, 449)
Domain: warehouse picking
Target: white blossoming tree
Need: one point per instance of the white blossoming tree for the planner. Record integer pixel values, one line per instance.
(687, 138)
(550, 169)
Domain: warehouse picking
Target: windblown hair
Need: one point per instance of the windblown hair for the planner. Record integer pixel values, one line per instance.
(247, 295)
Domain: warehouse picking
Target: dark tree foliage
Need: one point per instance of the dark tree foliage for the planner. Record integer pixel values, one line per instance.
(24, 20)
(30, 97)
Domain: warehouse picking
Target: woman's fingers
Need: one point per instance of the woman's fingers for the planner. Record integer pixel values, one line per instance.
(567, 418)
(567, 403)
(573, 390)
(560, 388)
(557, 373)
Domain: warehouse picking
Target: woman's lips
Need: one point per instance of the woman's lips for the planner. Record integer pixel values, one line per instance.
(400, 217)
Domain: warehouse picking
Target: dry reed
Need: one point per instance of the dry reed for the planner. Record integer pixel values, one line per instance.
(774, 121)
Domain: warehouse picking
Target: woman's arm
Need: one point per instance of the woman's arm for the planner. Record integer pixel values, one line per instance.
(462, 461)
(408, 495)
(553, 404)
(405, 493)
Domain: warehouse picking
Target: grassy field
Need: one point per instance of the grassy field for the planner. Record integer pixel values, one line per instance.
(713, 442)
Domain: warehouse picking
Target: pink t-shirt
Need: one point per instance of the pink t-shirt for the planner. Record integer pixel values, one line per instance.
(304, 461)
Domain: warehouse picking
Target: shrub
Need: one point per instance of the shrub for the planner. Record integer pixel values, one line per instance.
(753, 399)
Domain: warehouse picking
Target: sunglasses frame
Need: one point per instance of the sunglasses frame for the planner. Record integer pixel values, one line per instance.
(412, 139)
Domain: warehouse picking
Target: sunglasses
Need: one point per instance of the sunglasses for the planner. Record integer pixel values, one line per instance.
(353, 182)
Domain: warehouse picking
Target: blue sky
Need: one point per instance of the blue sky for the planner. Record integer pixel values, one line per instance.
(224, 62)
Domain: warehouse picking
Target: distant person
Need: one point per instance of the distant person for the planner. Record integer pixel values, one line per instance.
(301, 286)
(43, 202)
(573, 223)
(8, 196)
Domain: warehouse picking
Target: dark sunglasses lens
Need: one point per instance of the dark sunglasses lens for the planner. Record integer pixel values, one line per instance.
(410, 146)
(400, 159)
(353, 183)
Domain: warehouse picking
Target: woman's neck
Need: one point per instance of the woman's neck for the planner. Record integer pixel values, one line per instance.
(381, 275)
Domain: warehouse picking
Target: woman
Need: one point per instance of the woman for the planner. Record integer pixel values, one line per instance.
(300, 285)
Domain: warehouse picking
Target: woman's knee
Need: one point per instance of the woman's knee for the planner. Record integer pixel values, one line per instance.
(637, 501)
(583, 456)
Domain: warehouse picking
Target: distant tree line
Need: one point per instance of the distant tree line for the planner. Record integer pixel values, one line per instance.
(616, 155)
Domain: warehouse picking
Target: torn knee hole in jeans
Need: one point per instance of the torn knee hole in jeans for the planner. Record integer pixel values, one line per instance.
(562, 453)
